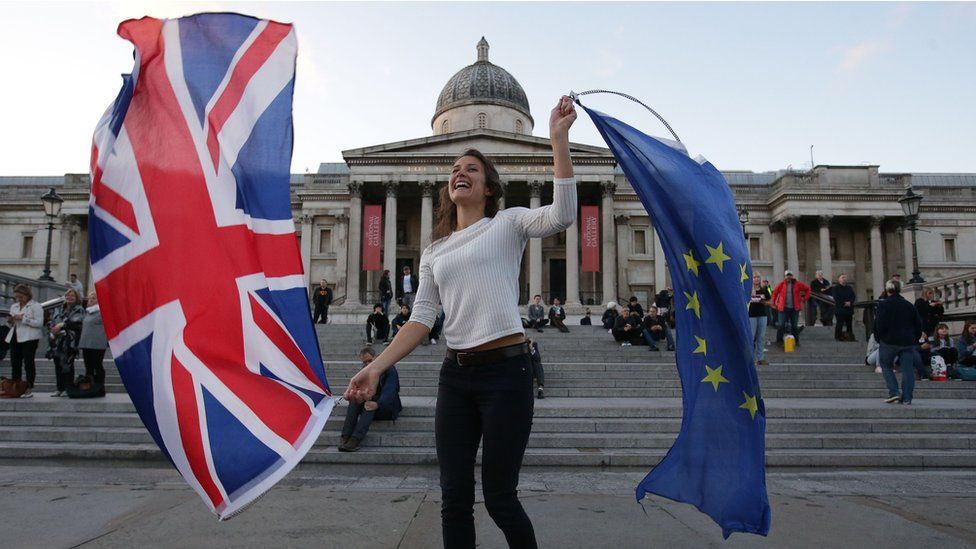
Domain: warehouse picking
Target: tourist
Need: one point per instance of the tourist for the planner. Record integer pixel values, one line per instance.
(386, 291)
(586, 320)
(93, 343)
(941, 345)
(635, 307)
(537, 372)
(898, 329)
(64, 331)
(873, 350)
(627, 329)
(664, 301)
(758, 315)
(537, 314)
(484, 390)
(788, 297)
(771, 311)
(609, 318)
(378, 322)
(557, 315)
(929, 309)
(436, 329)
(383, 405)
(844, 299)
(965, 345)
(323, 298)
(655, 328)
(25, 321)
(821, 286)
(406, 287)
(400, 319)
(75, 285)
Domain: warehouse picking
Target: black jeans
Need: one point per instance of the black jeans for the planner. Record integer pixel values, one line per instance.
(842, 321)
(321, 315)
(22, 357)
(493, 402)
(93, 364)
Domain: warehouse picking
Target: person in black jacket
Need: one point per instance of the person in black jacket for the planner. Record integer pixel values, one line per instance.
(586, 320)
(385, 404)
(821, 286)
(844, 299)
(377, 321)
(898, 328)
(627, 329)
(930, 310)
(406, 287)
(400, 319)
(609, 317)
(635, 307)
(322, 297)
(386, 291)
(557, 315)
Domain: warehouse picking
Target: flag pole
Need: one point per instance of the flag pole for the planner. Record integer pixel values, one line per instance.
(575, 97)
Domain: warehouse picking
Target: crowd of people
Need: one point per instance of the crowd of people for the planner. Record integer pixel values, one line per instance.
(72, 329)
(630, 325)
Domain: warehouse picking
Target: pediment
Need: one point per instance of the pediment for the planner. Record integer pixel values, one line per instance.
(490, 142)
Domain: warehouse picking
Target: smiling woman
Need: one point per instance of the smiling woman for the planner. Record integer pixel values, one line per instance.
(485, 387)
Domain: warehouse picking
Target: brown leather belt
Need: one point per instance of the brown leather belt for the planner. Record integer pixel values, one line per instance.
(488, 356)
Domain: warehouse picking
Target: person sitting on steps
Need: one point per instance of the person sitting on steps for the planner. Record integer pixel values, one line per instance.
(537, 314)
(557, 315)
(384, 405)
(378, 322)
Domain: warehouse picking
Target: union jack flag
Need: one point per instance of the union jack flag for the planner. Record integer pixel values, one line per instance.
(195, 258)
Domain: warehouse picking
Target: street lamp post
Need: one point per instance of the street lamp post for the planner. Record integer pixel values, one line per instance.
(743, 220)
(910, 204)
(52, 208)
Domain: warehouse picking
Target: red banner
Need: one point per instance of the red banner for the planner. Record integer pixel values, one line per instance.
(372, 237)
(590, 238)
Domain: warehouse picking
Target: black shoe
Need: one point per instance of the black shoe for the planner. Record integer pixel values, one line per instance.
(892, 400)
(653, 348)
(539, 330)
(343, 441)
(351, 445)
(540, 395)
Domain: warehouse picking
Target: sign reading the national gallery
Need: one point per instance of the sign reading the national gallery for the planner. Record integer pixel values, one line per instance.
(372, 237)
(590, 238)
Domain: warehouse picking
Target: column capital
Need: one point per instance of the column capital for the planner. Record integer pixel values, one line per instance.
(427, 188)
(341, 217)
(355, 189)
(825, 220)
(391, 188)
(535, 188)
(877, 220)
(621, 217)
(306, 218)
(790, 220)
(607, 188)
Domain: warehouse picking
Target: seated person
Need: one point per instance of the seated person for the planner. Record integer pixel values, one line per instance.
(557, 315)
(385, 404)
(609, 318)
(873, 351)
(537, 314)
(377, 321)
(435, 330)
(635, 307)
(537, 371)
(586, 320)
(627, 329)
(657, 329)
(940, 344)
(966, 345)
(400, 319)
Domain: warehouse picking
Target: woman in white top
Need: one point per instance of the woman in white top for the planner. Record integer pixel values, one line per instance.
(25, 320)
(485, 388)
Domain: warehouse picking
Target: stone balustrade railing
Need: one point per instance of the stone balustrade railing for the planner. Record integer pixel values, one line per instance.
(958, 293)
(43, 290)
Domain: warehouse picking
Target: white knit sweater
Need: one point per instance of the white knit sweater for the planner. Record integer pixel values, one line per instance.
(474, 272)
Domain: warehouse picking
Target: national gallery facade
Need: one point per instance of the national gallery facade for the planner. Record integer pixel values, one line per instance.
(839, 219)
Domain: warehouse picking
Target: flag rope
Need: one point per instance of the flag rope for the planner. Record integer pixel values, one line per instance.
(575, 97)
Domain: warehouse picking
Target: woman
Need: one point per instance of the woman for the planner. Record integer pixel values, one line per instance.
(25, 321)
(609, 318)
(386, 291)
(758, 315)
(966, 345)
(930, 310)
(64, 332)
(485, 385)
(93, 343)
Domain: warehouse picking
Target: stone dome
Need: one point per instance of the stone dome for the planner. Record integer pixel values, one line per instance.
(483, 83)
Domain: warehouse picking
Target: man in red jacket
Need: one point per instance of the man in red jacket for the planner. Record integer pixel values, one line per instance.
(788, 298)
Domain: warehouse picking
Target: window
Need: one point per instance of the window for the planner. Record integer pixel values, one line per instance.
(27, 249)
(755, 247)
(325, 241)
(445, 127)
(482, 120)
(518, 125)
(950, 249)
(640, 241)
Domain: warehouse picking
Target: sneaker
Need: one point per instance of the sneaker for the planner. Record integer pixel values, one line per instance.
(57, 394)
(351, 445)
(434, 341)
(892, 399)
(625, 344)
(28, 394)
(609, 331)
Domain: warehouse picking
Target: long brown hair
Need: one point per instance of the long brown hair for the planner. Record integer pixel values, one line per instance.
(445, 219)
(967, 339)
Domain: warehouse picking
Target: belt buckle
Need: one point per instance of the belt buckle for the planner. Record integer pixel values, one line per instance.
(459, 357)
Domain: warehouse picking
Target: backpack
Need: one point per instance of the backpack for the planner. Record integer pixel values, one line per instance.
(84, 387)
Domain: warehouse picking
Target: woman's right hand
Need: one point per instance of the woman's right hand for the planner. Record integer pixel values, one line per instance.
(363, 385)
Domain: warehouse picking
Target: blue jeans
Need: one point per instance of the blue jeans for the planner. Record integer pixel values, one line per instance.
(650, 337)
(758, 336)
(791, 316)
(907, 359)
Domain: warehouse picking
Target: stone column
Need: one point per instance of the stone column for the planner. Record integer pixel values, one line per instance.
(779, 264)
(792, 254)
(826, 264)
(389, 230)
(877, 257)
(625, 247)
(660, 264)
(84, 260)
(426, 214)
(501, 199)
(65, 238)
(306, 247)
(572, 263)
(341, 240)
(535, 244)
(609, 243)
(355, 242)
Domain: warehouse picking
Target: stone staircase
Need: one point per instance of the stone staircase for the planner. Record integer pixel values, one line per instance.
(606, 405)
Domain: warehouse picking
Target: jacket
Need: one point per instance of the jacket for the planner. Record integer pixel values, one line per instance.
(536, 312)
(801, 293)
(386, 288)
(93, 331)
(841, 294)
(965, 350)
(323, 296)
(897, 322)
(557, 313)
(413, 285)
(28, 328)
(387, 395)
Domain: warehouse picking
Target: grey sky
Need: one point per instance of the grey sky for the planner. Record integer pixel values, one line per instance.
(749, 86)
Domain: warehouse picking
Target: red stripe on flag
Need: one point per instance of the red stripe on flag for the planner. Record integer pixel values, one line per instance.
(284, 343)
(249, 63)
(188, 418)
(112, 202)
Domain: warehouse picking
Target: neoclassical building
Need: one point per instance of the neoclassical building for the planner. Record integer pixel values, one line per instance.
(832, 218)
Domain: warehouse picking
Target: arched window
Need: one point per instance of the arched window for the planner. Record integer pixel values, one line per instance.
(518, 125)
(445, 126)
(482, 120)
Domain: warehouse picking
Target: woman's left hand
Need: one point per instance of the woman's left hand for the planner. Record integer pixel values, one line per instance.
(562, 117)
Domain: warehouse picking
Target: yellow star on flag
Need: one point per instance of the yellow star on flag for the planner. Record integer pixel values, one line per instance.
(744, 276)
(693, 303)
(691, 263)
(750, 404)
(701, 346)
(714, 377)
(717, 255)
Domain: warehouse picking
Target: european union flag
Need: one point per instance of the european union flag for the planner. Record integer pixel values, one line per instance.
(717, 463)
